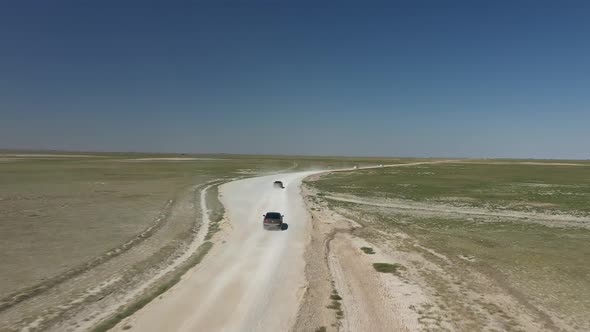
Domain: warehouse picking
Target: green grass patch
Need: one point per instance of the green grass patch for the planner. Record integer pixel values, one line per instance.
(516, 186)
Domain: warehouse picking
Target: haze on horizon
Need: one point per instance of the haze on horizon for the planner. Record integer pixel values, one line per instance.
(407, 78)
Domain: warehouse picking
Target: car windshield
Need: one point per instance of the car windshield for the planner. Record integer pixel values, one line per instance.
(273, 215)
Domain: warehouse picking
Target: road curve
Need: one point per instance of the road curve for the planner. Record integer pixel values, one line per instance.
(252, 281)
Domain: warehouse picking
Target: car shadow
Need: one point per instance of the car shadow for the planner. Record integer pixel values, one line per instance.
(284, 226)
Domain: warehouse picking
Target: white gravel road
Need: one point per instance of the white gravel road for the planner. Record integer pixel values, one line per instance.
(253, 279)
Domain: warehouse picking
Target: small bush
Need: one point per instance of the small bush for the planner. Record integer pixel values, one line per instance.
(335, 305)
(368, 250)
(388, 268)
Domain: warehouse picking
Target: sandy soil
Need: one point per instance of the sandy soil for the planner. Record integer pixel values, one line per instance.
(314, 312)
(371, 301)
(427, 294)
(108, 308)
(76, 299)
(254, 280)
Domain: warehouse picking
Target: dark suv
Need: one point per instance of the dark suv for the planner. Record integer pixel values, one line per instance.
(272, 220)
(279, 184)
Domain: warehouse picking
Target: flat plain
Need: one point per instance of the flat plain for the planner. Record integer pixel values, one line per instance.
(58, 212)
(415, 244)
(493, 244)
(82, 233)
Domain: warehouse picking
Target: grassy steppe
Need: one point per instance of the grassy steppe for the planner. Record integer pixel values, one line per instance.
(59, 210)
(544, 267)
(512, 186)
(57, 213)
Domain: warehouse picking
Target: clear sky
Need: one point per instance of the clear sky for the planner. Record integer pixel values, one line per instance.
(410, 78)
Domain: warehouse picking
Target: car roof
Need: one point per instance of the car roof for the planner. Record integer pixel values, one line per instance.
(273, 214)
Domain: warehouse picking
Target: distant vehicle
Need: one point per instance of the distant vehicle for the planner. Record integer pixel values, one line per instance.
(272, 220)
(279, 184)
(355, 167)
(381, 165)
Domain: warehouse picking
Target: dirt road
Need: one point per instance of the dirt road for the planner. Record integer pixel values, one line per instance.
(253, 279)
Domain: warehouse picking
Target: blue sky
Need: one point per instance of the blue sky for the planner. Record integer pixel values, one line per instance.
(410, 78)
